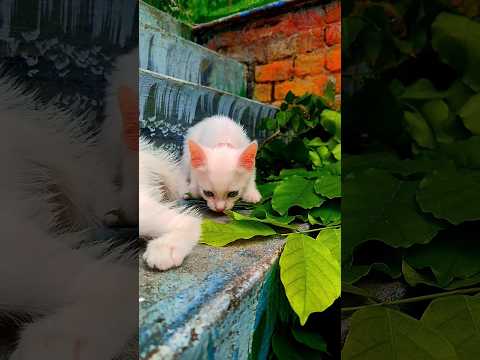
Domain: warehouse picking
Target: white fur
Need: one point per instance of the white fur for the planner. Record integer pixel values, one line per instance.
(223, 141)
(50, 203)
(174, 230)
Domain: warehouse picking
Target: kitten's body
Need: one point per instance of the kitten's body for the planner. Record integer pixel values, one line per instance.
(173, 230)
(54, 173)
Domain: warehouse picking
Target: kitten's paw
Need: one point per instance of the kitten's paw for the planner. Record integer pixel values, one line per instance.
(252, 196)
(165, 252)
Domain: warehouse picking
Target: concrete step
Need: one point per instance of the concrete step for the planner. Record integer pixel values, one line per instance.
(209, 307)
(168, 54)
(154, 19)
(168, 107)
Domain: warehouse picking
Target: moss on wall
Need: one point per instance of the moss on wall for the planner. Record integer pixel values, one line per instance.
(201, 11)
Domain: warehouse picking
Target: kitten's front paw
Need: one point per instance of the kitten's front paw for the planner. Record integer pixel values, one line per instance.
(164, 253)
(252, 196)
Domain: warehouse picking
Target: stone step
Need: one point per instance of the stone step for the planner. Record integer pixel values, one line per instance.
(209, 307)
(168, 54)
(154, 19)
(168, 107)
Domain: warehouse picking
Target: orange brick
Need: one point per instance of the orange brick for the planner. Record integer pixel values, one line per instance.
(333, 34)
(309, 40)
(311, 84)
(263, 92)
(309, 64)
(334, 59)
(277, 103)
(333, 13)
(309, 19)
(338, 83)
(278, 70)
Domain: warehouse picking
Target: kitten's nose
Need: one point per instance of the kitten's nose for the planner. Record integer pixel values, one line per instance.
(220, 207)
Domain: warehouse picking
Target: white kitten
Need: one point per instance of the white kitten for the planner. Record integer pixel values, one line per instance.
(175, 230)
(219, 161)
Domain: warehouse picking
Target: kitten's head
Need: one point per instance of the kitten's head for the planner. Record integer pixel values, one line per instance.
(222, 173)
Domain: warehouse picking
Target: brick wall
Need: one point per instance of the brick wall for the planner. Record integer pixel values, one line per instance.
(297, 51)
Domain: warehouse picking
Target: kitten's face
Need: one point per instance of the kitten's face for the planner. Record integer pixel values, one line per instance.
(222, 173)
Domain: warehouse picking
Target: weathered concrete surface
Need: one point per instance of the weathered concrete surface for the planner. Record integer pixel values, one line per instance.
(168, 107)
(210, 306)
(150, 18)
(168, 54)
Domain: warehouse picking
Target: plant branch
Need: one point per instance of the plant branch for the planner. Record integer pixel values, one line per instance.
(270, 138)
(413, 299)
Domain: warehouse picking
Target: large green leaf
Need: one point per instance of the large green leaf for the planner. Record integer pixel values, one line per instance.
(328, 185)
(380, 334)
(295, 191)
(451, 194)
(449, 256)
(269, 219)
(457, 318)
(331, 239)
(470, 114)
(465, 153)
(378, 206)
(310, 275)
(455, 38)
(217, 234)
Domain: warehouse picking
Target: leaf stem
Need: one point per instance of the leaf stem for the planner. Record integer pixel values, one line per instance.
(313, 230)
(413, 299)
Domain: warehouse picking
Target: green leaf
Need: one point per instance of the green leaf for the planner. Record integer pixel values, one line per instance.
(285, 173)
(328, 185)
(331, 121)
(266, 190)
(457, 318)
(451, 194)
(310, 275)
(378, 206)
(470, 114)
(422, 89)
(381, 333)
(455, 38)
(329, 213)
(351, 27)
(355, 290)
(309, 338)
(458, 94)
(331, 239)
(465, 153)
(269, 219)
(419, 129)
(441, 120)
(337, 152)
(446, 258)
(217, 234)
(285, 347)
(295, 191)
(352, 273)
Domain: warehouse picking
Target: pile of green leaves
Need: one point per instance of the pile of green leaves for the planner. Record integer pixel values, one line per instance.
(411, 187)
(299, 178)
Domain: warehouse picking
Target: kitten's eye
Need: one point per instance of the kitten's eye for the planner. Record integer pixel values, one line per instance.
(208, 193)
(232, 194)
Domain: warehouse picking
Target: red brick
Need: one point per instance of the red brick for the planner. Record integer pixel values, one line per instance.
(338, 83)
(333, 34)
(309, 64)
(278, 70)
(279, 48)
(263, 92)
(309, 19)
(333, 12)
(333, 62)
(309, 40)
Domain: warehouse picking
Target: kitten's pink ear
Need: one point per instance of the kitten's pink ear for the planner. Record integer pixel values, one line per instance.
(197, 155)
(247, 158)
